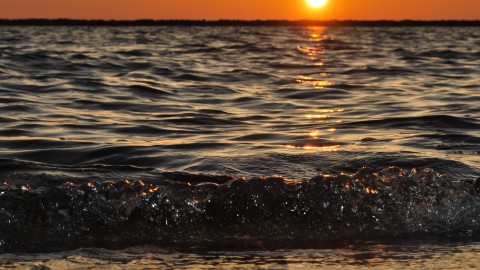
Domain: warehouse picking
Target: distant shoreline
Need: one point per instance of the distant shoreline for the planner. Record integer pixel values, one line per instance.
(382, 23)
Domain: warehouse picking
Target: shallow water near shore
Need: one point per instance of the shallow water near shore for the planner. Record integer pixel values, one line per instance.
(239, 135)
(360, 256)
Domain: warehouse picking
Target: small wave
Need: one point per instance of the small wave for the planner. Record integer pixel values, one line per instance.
(148, 90)
(141, 130)
(138, 53)
(189, 77)
(372, 71)
(448, 54)
(433, 121)
(325, 94)
(368, 204)
(203, 121)
(203, 50)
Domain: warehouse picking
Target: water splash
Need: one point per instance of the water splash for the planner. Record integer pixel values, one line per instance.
(391, 202)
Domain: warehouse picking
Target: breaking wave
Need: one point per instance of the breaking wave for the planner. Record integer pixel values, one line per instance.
(369, 204)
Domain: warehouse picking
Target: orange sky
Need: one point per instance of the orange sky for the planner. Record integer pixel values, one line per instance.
(241, 9)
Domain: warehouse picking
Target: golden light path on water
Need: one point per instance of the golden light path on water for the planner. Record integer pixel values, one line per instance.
(315, 52)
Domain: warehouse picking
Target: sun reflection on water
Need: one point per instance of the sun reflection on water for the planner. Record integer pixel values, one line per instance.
(316, 116)
(320, 138)
(327, 148)
(318, 84)
(314, 134)
(332, 110)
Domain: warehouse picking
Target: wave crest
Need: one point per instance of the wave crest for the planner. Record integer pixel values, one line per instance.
(370, 203)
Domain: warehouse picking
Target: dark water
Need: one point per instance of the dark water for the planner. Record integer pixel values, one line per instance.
(237, 137)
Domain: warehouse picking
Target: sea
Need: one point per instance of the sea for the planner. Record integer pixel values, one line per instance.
(230, 147)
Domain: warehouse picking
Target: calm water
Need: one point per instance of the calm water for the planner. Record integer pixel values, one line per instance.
(366, 256)
(242, 137)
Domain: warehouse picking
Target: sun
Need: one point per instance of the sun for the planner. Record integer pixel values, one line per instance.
(316, 3)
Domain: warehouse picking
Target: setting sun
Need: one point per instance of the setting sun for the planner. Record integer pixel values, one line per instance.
(316, 3)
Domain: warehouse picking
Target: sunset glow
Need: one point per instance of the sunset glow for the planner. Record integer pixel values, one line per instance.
(242, 9)
(316, 3)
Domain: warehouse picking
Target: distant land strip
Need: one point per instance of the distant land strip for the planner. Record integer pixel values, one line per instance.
(385, 23)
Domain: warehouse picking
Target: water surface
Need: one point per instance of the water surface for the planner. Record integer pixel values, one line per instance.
(365, 256)
(237, 134)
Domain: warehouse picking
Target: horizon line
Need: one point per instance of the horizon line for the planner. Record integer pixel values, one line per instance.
(230, 22)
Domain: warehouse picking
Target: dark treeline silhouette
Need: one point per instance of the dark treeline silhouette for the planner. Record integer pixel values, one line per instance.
(70, 22)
